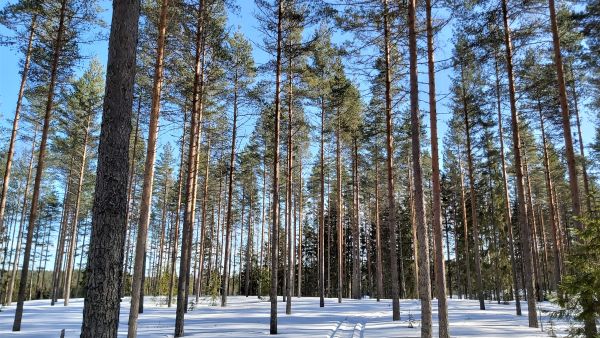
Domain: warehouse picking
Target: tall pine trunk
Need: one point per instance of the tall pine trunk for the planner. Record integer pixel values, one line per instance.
(422, 229)
(109, 216)
(13, 135)
(75, 220)
(147, 190)
(322, 208)
(229, 222)
(473, 198)
(33, 215)
(507, 207)
(521, 202)
(440, 274)
(275, 200)
(13, 275)
(390, 168)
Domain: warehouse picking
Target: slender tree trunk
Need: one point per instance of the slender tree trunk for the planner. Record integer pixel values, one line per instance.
(131, 192)
(40, 166)
(566, 126)
(75, 220)
(586, 183)
(161, 242)
(390, 168)
(229, 224)
(522, 209)
(177, 216)
(463, 201)
(378, 244)
(322, 209)
(557, 271)
(190, 207)
(356, 275)
(300, 195)
(507, 207)
(62, 239)
(533, 224)
(440, 274)
(422, 230)
(11, 284)
(340, 239)
(249, 250)
(147, 190)
(275, 227)
(13, 135)
(473, 198)
(203, 229)
(288, 199)
(109, 218)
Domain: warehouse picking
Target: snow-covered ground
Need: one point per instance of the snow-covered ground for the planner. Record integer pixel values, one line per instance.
(249, 317)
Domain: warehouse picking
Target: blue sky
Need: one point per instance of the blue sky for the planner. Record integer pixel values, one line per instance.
(246, 21)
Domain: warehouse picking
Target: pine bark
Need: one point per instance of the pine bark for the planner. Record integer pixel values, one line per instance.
(566, 126)
(229, 222)
(420, 213)
(75, 220)
(322, 208)
(275, 200)
(56, 54)
(522, 209)
(554, 233)
(147, 189)
(390, 168)
(175, 226)
(507, 207)
(356, 273)
(473, 198)
(190, 204)
(13, 275)
(440, 273)
(15, 128)
(109, 216)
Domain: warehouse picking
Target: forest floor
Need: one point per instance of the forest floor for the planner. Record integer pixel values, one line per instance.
(249, 317)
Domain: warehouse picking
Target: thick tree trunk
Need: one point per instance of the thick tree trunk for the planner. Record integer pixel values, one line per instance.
(440, 274)
(109, 218)
(422, 229)
(390, 168)
(522, 209)
(275, 200)
(40, 165)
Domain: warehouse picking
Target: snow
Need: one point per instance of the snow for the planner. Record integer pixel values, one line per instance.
(249, 317)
